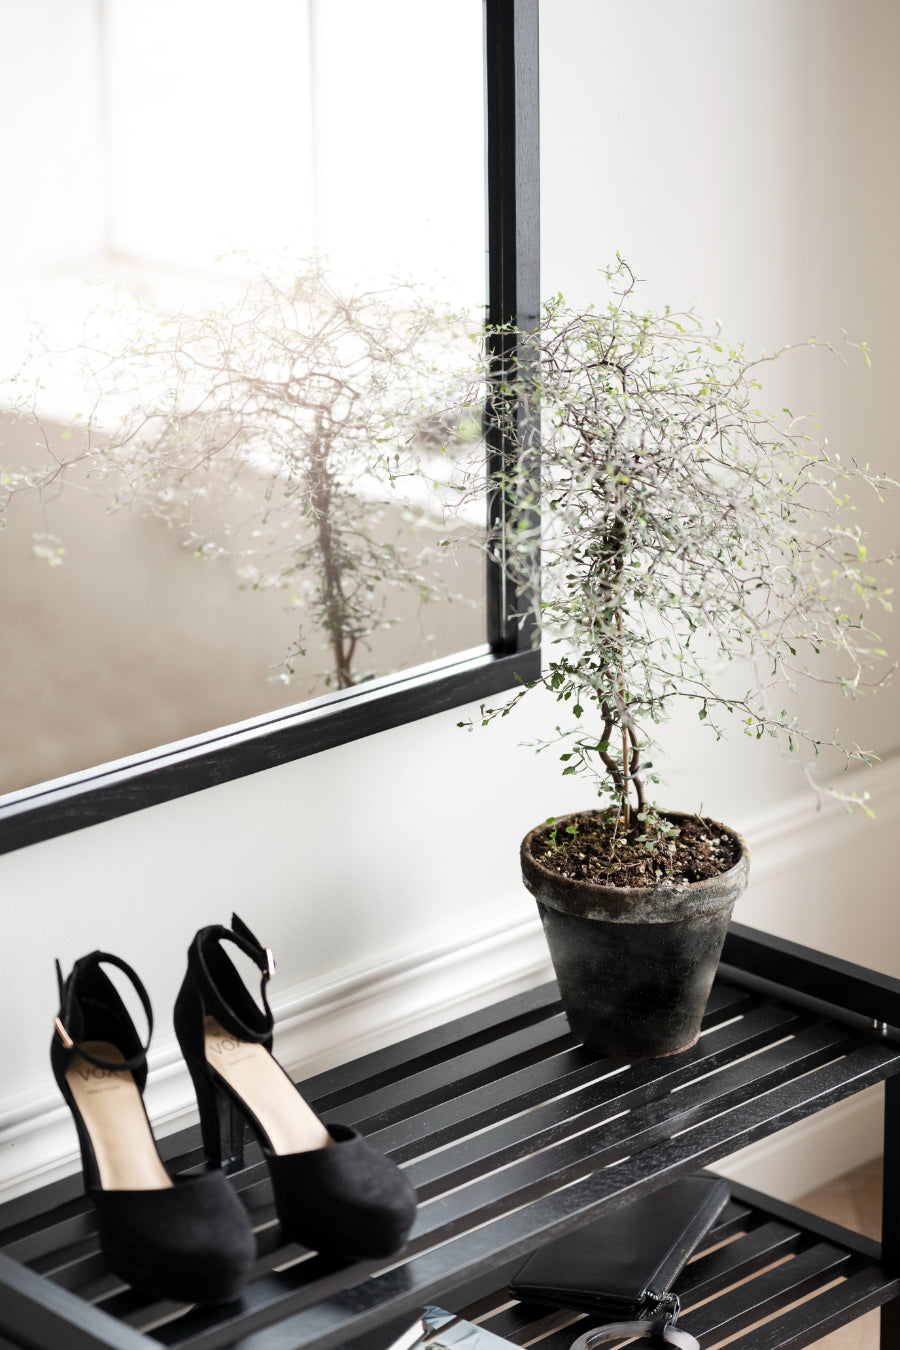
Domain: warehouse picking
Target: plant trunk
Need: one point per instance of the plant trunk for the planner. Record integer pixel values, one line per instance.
(334, 603)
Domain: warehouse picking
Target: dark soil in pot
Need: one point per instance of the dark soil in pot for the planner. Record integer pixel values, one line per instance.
(594, 851)
(635, 963)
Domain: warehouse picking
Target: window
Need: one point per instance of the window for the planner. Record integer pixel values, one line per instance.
(116, 788)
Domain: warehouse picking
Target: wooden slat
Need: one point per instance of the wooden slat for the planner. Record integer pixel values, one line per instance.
(56, 1203)
(524, 1321)
(88, 1274)
(812, 1223)
(619, 1091)
(36, 1312)
(461, 1072)
(618, 1135)
(808, 1323)
(708, 1275)
(768, 1292)
(529, 1063)
(464, 1112)
(601, 1145)
(378, 1068)
(44, 1244)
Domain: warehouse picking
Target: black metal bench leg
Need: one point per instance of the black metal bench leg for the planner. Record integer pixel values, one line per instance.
(890, 1213)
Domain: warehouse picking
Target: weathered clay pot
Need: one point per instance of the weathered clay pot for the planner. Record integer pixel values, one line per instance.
(635, 964)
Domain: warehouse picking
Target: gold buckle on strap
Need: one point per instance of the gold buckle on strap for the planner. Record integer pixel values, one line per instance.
(63, 1034)
(270, 962)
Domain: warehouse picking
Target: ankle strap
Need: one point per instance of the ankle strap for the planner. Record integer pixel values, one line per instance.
(70, 1022)
(221, 989)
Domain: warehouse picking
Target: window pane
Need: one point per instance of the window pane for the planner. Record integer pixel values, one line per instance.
(190, 142)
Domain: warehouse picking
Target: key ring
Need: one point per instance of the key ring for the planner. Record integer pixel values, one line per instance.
(615, 1331)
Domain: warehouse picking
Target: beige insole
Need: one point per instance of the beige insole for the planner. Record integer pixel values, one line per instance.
(114, 1115)
(291, 1125)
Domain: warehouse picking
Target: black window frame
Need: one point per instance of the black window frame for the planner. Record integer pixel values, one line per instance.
(509, 656)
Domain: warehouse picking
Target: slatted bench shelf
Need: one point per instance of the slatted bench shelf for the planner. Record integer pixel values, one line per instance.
(514, 1134)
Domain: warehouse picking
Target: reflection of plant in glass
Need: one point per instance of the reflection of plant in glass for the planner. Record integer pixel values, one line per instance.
(269, 430)
(685, 537)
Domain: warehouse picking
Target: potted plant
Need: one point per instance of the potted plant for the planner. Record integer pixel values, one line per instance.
(691, 550)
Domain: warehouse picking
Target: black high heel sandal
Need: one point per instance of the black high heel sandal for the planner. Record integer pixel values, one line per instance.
(187, 1238)
(333, 1191)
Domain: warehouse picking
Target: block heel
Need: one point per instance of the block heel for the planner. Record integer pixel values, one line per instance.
(334, 1192)
(223, 1127)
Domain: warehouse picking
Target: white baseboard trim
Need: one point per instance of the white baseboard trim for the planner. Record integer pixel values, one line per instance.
(356, 1010)
(784, 836)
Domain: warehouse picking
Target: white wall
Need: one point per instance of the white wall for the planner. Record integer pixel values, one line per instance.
(741, 156)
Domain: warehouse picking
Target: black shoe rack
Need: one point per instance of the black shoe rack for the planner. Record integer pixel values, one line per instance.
(514, 1134)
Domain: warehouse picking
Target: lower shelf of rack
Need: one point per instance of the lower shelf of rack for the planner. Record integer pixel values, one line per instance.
(769, 1277)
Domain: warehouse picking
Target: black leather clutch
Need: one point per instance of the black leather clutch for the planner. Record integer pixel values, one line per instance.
(625, 1263)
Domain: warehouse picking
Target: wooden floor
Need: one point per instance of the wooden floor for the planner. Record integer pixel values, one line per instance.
(855, 1202)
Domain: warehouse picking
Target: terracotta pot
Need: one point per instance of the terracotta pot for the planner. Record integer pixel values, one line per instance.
(635, 964)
